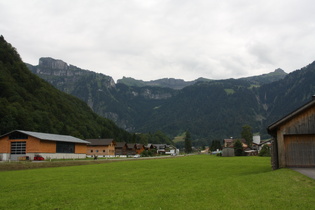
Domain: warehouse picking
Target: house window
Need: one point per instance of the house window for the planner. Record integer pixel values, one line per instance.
(65, 147)
(18, 147)
(91, 150)
(103, 150)
(96, 150)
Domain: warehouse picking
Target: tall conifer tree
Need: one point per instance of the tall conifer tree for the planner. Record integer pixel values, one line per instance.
(247, 134)
(188, 147)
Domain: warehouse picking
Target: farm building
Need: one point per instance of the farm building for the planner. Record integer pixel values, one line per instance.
(131, 149)
(26, 143)
(121, 149)
(230, 143)
(139, 148)
(160, 148)
(101, 147)
(294, 138)
(228, 152)
(149, 147)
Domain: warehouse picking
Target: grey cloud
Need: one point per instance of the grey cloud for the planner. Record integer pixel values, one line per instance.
(164, 38)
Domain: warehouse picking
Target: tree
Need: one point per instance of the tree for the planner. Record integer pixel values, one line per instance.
(215, 144)
(265, 151)
(188, 148)
(247, 135)
(238, 148)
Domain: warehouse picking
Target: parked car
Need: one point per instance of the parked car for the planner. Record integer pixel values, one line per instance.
(39, 157)
(136, 156)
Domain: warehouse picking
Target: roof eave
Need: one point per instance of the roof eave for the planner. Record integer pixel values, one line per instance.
(288, 117)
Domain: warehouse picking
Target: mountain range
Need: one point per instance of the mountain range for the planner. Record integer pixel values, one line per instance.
(209, 109)
(180, 83)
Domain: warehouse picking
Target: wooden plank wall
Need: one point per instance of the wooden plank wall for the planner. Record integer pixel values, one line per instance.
(299, 150)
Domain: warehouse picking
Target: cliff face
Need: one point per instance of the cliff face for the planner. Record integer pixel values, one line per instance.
(64, 76)
(150, 93)
(99, 91)
(50, 63)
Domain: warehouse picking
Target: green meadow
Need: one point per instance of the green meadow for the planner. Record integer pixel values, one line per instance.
(189, 182)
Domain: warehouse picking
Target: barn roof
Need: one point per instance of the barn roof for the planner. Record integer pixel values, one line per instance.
(233, 140)
(291, 115)
(50, 137)
(120, 144)
(100, 142)
(158, 146)
(139, 146)
(131, 146)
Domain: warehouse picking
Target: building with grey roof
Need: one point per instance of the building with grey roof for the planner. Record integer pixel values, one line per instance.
(19, 143)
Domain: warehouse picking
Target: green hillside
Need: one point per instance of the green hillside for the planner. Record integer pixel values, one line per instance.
(30, 103)
(208, 109)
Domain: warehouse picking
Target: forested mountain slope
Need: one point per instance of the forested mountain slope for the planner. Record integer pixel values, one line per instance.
(180, 84)
(209, 109)
(28, 102)
(126, 105)
(282, 97)
(176, 84)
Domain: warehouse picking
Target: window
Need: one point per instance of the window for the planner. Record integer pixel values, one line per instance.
(103, 150)
(91, 150)
(96, 150)
(64, 147)
(18, 147)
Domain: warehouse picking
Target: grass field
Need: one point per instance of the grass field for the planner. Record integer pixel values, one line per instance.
(190, 182)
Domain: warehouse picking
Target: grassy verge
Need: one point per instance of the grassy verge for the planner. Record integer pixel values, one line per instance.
(191, 182)
(23, 165)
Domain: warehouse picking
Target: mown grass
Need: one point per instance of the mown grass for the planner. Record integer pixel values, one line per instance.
(180, 138)
(191, 182)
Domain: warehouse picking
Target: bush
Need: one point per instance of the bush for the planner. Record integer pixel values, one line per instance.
(265, 151)
(238, 148)
(146, 153)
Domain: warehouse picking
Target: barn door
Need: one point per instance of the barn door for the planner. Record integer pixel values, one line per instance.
(300, 151)
(18, 149)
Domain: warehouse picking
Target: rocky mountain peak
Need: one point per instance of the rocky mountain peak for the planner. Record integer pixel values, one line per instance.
(50, 68)
(280, 71)
(51, 63)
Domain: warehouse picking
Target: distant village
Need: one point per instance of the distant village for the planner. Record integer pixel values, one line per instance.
(26, 145)
(292, 142)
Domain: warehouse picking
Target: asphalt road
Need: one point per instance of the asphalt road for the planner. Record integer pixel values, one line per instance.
(310, 172)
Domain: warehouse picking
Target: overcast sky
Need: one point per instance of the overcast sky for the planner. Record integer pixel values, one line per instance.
(153, 39)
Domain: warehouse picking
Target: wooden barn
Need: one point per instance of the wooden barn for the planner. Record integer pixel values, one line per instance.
(139, 148)
(230, 143)
(121, 149)
(131, 149)
(294, 138)
(101, 147)
(20, 143)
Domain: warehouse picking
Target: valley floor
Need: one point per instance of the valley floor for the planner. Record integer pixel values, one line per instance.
(187, 182)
